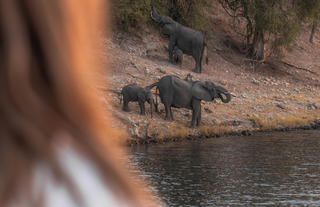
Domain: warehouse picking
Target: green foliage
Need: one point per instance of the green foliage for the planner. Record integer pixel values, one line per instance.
(308, 9)
(191, 13)
(131, 13)
(277, 19)
(136, 13)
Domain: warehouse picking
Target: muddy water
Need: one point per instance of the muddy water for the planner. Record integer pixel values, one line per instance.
(276, 169)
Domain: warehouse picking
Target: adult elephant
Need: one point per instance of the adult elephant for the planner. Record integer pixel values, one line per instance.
(180, 93)
(190, 41)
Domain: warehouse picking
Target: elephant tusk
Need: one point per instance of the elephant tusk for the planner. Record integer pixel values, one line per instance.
(153, 17)
(233, 95)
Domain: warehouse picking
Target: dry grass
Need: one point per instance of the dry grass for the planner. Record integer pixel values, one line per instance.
(285, 120)
(213, 130)
(174, 130)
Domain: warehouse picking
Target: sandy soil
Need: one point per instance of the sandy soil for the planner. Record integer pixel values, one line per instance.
(274, 95)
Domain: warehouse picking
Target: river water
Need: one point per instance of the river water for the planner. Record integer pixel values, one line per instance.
(276, 169)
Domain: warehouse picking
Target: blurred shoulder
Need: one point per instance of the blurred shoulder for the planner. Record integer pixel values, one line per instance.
(85, 177)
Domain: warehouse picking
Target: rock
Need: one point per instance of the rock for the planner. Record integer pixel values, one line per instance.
(146, 71)
(296, 90)
(161, 71)
(255, 81)
(280, 106)
(246, 133)
(223, 82)
(233, 122)
(312, 106)
(206, 109)
(243, 96)
(316, 124)
(133, 64)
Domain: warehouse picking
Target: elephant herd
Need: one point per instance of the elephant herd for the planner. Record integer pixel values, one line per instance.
(175, 92)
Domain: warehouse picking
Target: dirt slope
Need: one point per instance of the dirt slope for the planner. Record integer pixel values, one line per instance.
(278, 94)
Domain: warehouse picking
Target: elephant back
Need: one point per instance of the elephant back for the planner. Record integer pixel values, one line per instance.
(174, 82)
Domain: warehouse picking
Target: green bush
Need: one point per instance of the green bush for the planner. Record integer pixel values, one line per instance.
(190, 13)
(134, 14)
(272, 21)
(131, 13)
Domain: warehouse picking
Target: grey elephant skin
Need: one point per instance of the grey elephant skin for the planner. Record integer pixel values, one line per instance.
(189, 41)
(185, 93)
(134, 93)
(177, 56)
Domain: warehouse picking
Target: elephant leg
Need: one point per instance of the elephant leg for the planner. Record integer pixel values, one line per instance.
(171, 47)
(168, 111)
(196, 108)
(125, 106)
(200, 62)
(156, 109)
(193, 118)
(199, 116)
(197, 65)
(142, 108)
(171, 114)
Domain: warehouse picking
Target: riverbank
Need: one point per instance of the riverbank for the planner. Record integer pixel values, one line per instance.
(269, 96)
(314, 125)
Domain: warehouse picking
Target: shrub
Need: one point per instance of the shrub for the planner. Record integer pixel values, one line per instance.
(218, 130)
(281, 121)
(136, 13)
(190, 13)
(131, 13)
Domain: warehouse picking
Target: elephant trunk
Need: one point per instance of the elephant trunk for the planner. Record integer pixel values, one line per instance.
(154, 15)
(227, 95)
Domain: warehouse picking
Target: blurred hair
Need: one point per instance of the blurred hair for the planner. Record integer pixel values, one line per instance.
(47, 71)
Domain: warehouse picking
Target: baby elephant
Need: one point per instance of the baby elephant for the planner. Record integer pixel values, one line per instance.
(177, 56)
(134, 93)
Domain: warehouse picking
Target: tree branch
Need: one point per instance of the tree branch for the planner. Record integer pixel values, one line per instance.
(298, 67)
(113, 91)
(135, 130)
(134, 76)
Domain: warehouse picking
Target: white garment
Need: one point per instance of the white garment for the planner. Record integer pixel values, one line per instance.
(85, 177)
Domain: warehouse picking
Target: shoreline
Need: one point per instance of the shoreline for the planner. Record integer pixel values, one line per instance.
(314, 125)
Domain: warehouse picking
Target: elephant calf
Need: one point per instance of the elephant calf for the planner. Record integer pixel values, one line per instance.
(177, 56)
(134, 93)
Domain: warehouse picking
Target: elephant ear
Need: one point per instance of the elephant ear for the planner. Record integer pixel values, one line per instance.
(168, 29)
(200, 91)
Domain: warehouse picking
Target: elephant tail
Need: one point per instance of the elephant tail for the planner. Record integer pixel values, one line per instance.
(206, 45)
(157, 89)
(121, 97)
(152, 86)
(116, 92)
(156, 103)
